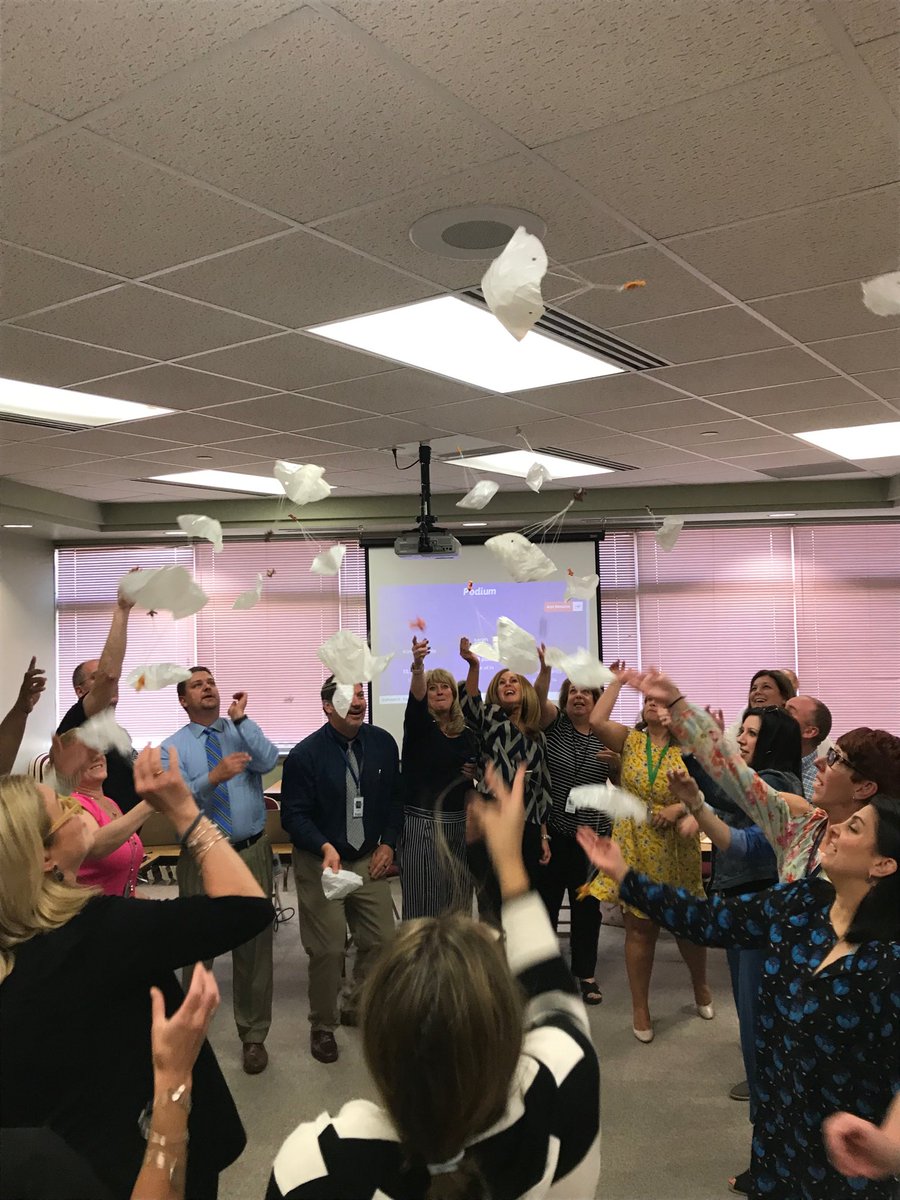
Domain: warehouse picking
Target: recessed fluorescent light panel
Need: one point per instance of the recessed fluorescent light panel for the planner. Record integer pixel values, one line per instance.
(225, 481)
(38, 403)
(450, 337)
(519, 462)
(881, 440)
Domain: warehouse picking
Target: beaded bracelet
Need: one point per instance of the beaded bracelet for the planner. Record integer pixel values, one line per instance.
(190, 829)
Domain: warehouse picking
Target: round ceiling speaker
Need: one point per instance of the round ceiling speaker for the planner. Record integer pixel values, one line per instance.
(472, 231)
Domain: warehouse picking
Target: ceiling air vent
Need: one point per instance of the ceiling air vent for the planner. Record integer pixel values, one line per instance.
(568, 329)
(609, 463)
(43, 422)
(812, 470)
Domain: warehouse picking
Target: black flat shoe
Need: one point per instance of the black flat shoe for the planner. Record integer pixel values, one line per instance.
(740, 1184)
(590, 991)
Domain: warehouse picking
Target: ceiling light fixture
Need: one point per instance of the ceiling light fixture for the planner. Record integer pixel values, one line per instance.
(785, 514)
(474, 524)
(879, 440)
(18, 527)
(519, 462)
(225, 481)
(451, 337)
(35, 402)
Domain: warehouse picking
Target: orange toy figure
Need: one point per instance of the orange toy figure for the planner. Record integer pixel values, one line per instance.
(417, 623)
(632, 284)
(470, 585)
(570, 573)
(270, 572)
(140, 683)
(268, 535)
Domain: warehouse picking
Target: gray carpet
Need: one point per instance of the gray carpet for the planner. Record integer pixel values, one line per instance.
(669, 1130)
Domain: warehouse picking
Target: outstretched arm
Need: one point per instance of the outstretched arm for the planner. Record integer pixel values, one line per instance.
(417, 675)
(109, 669)
(610, 732)
(12, 727)
(542, 687)
(465, 653)
(685, 790)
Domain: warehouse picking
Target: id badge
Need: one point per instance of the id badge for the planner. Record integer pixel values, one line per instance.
(570, 804)
(357, 806)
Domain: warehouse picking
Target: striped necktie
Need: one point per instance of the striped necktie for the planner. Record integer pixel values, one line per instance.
(356, 831)
(221, 805)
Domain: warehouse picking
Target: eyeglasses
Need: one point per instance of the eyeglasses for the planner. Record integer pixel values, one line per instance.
(835, 756)
(69, 808)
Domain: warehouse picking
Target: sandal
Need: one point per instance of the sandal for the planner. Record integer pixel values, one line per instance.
(740, 1184)
(590, 991)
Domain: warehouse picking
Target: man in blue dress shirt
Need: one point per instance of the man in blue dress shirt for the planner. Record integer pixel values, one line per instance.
(341, 805)
(223, 760)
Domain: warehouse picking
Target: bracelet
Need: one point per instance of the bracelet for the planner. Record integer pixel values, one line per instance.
(190, 829)
(163, 1161)
(545, 837)
(239, 720)
(202, 851)
(157, 1139)
(417, 668)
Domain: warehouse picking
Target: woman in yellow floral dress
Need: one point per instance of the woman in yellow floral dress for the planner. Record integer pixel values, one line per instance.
(655, 848)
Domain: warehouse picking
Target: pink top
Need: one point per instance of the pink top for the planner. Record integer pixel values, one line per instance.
(116, 874)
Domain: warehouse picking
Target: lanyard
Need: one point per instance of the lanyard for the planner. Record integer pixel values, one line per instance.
(355, 774)
(653, 768)
(811, 871)
(578, 761)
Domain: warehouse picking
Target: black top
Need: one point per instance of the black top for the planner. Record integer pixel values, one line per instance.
(433, 762)
(119, 785)
(314, 791)
(75, 1028)
(572, 760)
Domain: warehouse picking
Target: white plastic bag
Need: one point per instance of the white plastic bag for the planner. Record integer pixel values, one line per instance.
(516, 648)
(524, 561)
(486, 650)
(669, 532)
(537, 476)
(349, 658)
(328, 562)
(881, 295)
(164, 589)
(153, 676)
(302, 484)
(614, 801)
(195, 525)
(337, 884)
(512, 283)
(102, 732)
(581, 587)
(581, 668)
(343, 698)
(252, 595)
(479, 495)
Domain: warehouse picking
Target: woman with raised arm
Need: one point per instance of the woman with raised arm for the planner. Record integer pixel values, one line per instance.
(576, 757)
(654, 847)
(830, 997)
(116, 851)
(508, 724)
(487, 1079)
(438, 761)
(75, 968)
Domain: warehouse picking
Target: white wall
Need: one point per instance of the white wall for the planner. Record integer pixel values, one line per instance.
(27, 626)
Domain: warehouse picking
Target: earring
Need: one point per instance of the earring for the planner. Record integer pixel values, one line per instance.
(57, 875)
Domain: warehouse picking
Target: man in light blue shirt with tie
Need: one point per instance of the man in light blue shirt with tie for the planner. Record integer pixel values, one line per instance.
(223, 760)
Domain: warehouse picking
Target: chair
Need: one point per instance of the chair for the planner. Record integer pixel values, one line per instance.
(280, 842)
(39, 766)
(161, 847)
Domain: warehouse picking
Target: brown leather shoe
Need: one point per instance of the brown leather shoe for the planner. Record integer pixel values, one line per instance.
(322, 1045)
(256, 1058)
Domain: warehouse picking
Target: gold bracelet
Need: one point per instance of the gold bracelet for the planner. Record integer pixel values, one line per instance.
(202, 826)
(157, 1139)
(205, 849)
(162, 1161)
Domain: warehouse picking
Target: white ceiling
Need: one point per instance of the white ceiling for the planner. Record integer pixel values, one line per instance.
(187, 185)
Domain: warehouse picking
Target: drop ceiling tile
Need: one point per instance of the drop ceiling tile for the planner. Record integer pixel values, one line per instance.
(794, 397)
(347, 461)
(405, 390)
(866, 20)
(171, 387)
(850, 238)
(287, 412)
(839, 417)
(708, 472)
(377, 433)
(190, 496)
(22, 431)
(108, 469)
(756, 447)
(37, 358)
(694, 437)
(884, 383)
(883, 60)
(31, 281)
(98, 442)
(576, 226)
(245, 125)
(670, 288)
(642, 453)
(21, 122)
(590, 397)
(154, 323)
(766, 368)
(296, 280)
(290, 362)
(500, 58)
(485, 413)
(864, 352)
(820, 313)
(670, 415)
(675, 170)
(190, 429)
(692, 336)
(289, 446)
(97, 53)
(565, 433)
(811, 457)
(201, 458)
(88, 202)
(63, 477)
(22, 455)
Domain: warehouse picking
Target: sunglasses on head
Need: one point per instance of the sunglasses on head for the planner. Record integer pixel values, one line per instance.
(834, 756)
(69, 808)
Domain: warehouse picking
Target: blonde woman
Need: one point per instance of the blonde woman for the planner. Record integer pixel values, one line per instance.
(438, 761)
(508, 724)
(75, 969)
(487, 1080)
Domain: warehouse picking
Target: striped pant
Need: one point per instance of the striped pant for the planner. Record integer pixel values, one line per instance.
(431, 855)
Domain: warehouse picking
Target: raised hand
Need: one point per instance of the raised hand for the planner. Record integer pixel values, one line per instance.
(230, 765)
(420, 650)
(603, 853)
(33, 684)
(718, 716)
(684, 789)
(238, 706)
(619, 669)
(175, 1041)
(162, 786)
(465, 652)
(654, 685)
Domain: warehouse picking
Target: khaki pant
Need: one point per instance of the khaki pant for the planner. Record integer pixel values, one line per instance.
(323, 930)
(252, 962)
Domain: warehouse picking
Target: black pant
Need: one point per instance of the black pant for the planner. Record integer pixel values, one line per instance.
(567, 870)
(487, 888)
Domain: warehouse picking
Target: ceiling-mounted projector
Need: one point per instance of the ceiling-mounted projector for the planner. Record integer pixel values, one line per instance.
(427, 540)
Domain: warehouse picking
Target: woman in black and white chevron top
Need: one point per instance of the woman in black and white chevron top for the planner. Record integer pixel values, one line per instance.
(482, 1099)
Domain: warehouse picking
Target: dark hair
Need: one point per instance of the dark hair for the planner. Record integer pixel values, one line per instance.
(181, 686)
(779, 746)
(79, 673)
(821, 718)
(782, 682)
(878, 917)
(564, 693)
(874, 754)
(329, 687)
